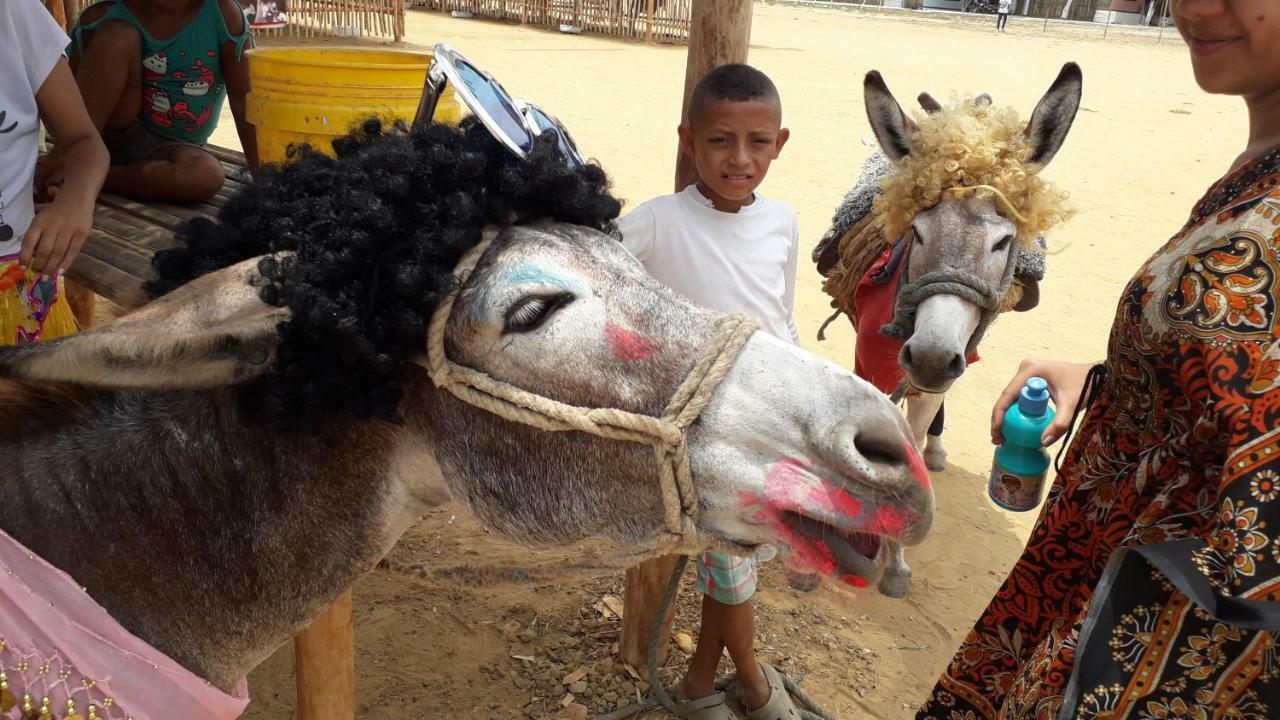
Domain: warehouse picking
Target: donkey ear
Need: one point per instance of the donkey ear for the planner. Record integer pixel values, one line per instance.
(211, 332)
(1054, 114)
(927, 102)
(891, 125)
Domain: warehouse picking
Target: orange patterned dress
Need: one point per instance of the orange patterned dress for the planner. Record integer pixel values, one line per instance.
(1149, 587)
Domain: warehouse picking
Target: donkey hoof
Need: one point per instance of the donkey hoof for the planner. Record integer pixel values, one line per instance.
(895, 583)
(935, 456)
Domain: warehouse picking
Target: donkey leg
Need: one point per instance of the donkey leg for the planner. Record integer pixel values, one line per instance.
(935, 455)
(921, 410)
(897, 574)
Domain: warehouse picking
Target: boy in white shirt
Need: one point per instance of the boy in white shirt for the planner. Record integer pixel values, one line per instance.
(725, 247)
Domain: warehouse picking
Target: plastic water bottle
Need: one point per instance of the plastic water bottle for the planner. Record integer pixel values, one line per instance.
(1021, 463)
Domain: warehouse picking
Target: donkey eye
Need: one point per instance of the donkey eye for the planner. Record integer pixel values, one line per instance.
(1004, 243)
(529, 313)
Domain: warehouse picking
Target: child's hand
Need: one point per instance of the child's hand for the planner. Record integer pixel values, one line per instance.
(56, 234)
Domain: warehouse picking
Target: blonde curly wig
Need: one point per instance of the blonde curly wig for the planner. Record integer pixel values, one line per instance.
(980, 147)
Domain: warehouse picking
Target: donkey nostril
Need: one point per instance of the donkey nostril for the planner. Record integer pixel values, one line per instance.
(880, 450)
(956, 367)
(905, 359)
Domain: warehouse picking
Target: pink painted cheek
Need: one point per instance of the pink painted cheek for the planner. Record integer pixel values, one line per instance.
(628, 346)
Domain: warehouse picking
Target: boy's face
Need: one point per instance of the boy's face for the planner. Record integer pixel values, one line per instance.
(732, 144)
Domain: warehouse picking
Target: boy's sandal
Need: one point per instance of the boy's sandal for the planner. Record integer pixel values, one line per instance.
(780, 706)
(711, 707)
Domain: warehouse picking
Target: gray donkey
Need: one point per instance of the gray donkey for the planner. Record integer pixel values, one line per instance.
(960, 260)
(130, 464)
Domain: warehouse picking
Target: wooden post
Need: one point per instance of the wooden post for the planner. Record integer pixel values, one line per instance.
(324, 660)
(719, 34)
(58, 9)
(649, 33)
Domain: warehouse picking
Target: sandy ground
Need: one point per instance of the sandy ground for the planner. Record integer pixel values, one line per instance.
(1145, 145)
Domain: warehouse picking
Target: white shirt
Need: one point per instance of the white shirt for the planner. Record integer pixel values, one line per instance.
(31, 43)
(731, 262)
(1005, 5)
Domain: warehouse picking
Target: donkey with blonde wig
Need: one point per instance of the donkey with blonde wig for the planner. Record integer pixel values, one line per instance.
(963, 202)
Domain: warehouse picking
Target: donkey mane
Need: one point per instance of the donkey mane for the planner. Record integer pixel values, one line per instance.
(971, 143)
(25, 405)
(375, 233)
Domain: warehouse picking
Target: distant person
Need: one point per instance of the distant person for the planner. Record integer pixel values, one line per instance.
(1002, 14)
(156, 101)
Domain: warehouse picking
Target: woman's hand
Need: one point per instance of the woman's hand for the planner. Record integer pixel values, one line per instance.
(56, 235)
(1066, 382)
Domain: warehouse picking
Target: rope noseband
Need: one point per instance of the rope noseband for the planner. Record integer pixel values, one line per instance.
(668, 434)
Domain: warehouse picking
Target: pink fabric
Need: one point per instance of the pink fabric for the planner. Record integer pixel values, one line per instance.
(52, 625)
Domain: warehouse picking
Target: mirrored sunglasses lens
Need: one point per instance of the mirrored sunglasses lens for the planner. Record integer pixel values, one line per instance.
(546, 124)
(496, 103)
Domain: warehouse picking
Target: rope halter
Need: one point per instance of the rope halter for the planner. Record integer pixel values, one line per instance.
(668, 434)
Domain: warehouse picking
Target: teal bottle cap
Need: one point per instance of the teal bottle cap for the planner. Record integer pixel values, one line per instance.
(1033, 401)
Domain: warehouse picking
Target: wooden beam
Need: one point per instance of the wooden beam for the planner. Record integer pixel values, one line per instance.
(325, 666)
(646, 584)
(719, 34)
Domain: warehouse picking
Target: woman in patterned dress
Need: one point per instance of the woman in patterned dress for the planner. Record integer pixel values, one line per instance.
(1150, 587)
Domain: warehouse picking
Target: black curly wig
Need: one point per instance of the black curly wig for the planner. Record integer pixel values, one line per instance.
(376, 233)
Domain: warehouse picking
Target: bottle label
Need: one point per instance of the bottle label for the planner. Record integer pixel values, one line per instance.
(1015, 492)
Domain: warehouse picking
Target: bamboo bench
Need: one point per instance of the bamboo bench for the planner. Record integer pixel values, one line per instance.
(115, 264)
(116, 259)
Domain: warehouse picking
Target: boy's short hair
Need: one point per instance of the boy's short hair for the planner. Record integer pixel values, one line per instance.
(736, 83)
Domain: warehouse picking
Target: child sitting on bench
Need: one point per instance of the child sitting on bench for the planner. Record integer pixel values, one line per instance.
(156, 101)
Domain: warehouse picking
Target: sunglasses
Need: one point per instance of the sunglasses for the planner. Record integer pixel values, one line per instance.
(512, 121)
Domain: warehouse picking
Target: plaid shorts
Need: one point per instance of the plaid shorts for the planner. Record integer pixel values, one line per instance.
(727, 579)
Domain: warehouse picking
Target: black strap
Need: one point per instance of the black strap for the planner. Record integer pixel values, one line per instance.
(1088, 394)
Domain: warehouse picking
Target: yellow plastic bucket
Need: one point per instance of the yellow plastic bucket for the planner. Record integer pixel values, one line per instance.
(314, 95)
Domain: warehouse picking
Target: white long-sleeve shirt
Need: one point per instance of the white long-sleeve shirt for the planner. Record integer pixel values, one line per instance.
(731, 262)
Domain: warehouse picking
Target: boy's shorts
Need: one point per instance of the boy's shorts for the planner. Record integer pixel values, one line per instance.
(135, 144)
(727, 579)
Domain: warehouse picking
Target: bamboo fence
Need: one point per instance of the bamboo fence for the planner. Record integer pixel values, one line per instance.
(313, 18)
(665, 21)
